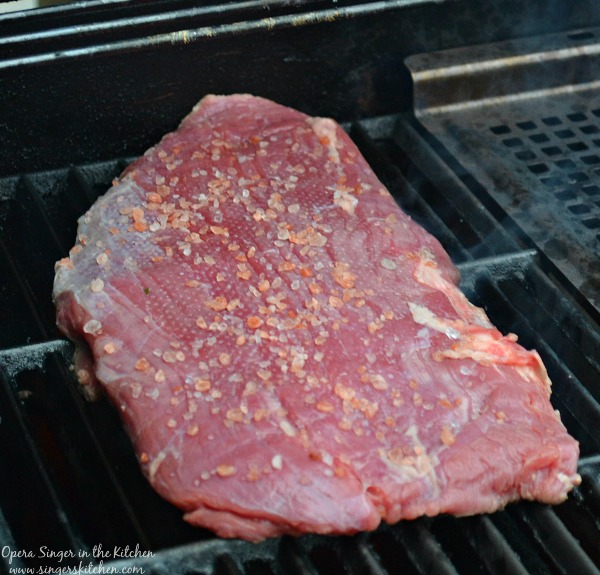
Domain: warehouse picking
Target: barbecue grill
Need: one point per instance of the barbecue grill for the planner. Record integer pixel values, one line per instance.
(482, 118)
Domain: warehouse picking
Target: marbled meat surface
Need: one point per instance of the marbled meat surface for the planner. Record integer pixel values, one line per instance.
(288, 350)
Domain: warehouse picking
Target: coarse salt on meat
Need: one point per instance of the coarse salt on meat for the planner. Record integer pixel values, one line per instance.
(288, 350)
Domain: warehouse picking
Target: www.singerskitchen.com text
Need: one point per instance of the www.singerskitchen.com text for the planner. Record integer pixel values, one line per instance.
(79, 562)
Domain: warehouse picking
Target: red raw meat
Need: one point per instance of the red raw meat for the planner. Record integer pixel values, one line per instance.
(288, 350)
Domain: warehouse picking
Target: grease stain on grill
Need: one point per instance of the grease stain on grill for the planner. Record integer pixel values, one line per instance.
(556, 248)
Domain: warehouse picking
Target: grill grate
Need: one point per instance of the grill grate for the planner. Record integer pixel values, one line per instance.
(53, 441)
(521, 121)
(563, 152)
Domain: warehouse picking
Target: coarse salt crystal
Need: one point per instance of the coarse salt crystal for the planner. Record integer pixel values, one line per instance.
(110, 348)
(287, 428)
(92, 326)
(97, 285)
(388, 264)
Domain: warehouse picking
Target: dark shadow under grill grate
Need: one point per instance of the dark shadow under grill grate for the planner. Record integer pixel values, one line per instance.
(69, 479)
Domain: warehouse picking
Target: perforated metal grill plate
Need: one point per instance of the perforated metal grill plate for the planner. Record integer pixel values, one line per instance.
(523, 119)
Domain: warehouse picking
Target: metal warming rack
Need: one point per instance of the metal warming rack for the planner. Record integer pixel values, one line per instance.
(499, 158)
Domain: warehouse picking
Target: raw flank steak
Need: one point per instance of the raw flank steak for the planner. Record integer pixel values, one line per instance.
(288, 350)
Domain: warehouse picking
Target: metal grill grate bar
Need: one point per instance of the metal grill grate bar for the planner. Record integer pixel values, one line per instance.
(426, 552)
(493, 548)
(559, 546)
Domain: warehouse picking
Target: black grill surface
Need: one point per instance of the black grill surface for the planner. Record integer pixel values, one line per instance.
(68, 476)
(507, 178)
